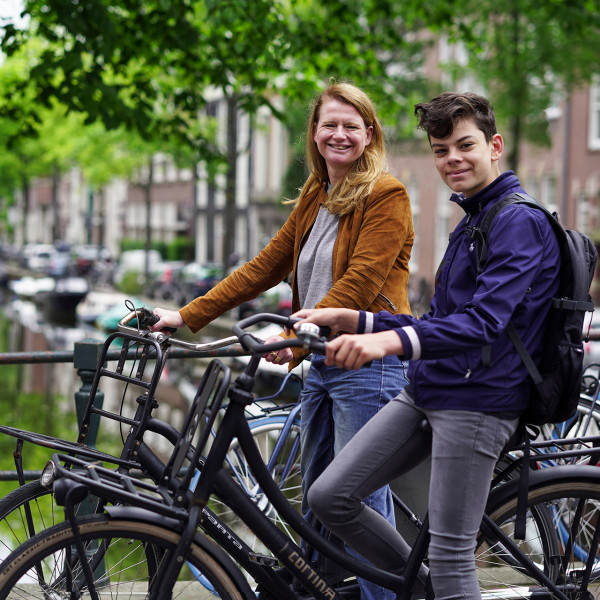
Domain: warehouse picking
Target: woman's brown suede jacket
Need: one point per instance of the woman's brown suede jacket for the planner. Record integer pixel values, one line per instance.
(370, 259)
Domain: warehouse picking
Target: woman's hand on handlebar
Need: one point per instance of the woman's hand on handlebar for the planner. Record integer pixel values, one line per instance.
(166, 319)
(279, 357)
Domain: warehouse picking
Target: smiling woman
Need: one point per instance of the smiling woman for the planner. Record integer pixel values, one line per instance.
(341, 136)
(331, 243)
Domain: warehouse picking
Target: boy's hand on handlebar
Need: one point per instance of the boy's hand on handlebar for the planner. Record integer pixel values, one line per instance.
(166, 319)
(337, 319)
(353, 351)
(278, 357)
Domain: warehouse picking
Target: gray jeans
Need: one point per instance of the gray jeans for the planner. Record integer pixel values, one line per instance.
(464, 447)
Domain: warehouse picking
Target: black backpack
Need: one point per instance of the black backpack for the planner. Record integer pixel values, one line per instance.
(557, 380)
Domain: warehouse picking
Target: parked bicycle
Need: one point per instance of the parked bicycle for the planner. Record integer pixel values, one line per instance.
(149, 531)
(275, 427)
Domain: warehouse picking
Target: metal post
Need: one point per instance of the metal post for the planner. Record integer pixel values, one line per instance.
(85, 360)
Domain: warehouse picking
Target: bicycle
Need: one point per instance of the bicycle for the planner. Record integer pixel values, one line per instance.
(31, 506)
(584, 423)
(164, 517)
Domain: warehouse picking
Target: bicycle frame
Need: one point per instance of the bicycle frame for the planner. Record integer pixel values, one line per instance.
(290, 555)
(214, 480)
(234, 425)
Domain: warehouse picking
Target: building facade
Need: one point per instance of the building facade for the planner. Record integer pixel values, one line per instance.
(564, 176)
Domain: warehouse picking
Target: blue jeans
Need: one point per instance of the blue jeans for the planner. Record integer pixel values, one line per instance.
(336, 403)
(464, 446)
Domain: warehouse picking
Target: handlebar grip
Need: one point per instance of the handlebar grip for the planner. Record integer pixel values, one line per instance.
(148, 318)
(318, 346)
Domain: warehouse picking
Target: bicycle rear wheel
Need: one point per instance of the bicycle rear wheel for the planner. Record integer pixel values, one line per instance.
(585, 422)
(124, 556)
(285, 470)
(556, 540)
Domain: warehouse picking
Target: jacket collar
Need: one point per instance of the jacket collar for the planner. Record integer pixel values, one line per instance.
(500, 187)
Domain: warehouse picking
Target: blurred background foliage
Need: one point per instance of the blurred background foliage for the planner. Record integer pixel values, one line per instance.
(120, 78)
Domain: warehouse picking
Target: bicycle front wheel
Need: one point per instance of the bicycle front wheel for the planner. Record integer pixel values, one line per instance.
(25, 511)
(561, 519)
(124, 556)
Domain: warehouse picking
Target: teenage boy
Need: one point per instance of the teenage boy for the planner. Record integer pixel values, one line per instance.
(472, 405)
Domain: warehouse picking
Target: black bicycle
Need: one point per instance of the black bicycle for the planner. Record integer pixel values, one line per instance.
(135, 358)
(149, 532)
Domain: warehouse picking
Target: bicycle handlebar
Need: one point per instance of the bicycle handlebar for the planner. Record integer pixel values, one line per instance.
(146, 317)
(310, 336)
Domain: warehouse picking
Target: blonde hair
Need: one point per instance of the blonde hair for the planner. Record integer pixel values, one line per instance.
(358, 183)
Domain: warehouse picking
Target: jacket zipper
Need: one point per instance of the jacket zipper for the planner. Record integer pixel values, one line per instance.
(389, 302)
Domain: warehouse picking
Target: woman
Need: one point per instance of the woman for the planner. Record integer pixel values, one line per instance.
(347, 243)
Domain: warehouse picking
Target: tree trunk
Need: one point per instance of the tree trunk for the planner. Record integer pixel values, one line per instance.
(56, 229)
(148, 241)
(519, 94)
(25, 192)
(230, 186)
(101, 233)
(515, 132)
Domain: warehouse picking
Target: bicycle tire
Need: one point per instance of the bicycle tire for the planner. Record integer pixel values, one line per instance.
(498, 573)
(286, 471)
(14, 529)
(135, 548)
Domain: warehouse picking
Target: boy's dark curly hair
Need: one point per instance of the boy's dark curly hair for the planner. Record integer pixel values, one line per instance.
(439, 116)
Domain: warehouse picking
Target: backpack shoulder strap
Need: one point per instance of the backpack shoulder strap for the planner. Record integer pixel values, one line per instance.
(490, 215)
(482, 247)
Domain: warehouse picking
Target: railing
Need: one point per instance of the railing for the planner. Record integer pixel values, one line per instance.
(85, 356)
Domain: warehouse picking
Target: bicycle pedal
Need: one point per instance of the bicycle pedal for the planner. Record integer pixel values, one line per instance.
(263, 559)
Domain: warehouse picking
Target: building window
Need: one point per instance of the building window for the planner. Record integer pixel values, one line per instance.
(442, 224)
(594, 118)
(583, 213)
(548, 192)
(532, 187)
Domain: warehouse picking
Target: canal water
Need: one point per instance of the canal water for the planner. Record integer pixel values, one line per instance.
(27, 330)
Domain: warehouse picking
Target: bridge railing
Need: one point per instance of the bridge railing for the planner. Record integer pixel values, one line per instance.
(85, 356)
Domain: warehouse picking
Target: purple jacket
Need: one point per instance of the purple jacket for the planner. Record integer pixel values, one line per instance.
(468, 312)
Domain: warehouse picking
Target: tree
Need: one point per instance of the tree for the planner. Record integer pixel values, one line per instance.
(526, 53)
(150, 65)
(263, 49)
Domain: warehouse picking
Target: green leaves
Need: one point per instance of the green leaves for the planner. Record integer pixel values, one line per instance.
(150, 65)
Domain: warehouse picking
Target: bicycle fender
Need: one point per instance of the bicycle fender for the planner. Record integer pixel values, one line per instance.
(142, 514)
(207, 544)
(539, 478)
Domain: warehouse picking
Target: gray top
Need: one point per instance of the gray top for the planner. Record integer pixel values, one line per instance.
(314, 270)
